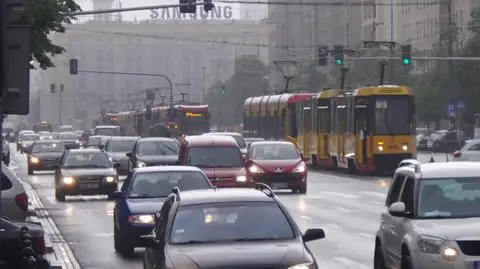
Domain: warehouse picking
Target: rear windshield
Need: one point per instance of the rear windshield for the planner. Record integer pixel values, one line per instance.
(106, 131)
(94, 141)
(162, 148)
(214, 157)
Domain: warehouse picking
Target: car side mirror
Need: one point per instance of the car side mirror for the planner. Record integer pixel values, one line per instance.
(117, 194)
(149, 241)
(129, 155)
(397, 209)
(313, 234)
(101, 146)
(56, 166)
(116, 165)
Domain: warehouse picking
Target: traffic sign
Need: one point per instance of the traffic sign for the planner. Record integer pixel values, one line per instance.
(460, 104)
(451, 110)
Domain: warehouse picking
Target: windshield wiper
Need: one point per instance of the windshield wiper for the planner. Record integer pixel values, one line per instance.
(255, 239)
(194, 242)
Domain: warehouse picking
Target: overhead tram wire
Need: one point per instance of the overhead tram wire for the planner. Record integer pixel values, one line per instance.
(335, 3)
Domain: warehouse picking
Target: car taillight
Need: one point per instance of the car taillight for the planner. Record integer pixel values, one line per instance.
(41, 248)
(22, 201)
(457, 154)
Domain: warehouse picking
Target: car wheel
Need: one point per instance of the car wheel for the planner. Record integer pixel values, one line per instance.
(406, 261)
(303, 189)
(378, 258)
(59, 196)
(30, 170)
(110, 197)
(121, 245)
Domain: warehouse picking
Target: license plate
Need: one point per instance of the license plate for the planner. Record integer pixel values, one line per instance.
(476, 265)
(278, 186)
(89, 186)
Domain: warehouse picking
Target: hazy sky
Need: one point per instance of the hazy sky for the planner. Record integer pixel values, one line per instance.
(143, 15)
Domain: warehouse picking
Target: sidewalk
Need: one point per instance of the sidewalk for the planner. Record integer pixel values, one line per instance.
(59, 253)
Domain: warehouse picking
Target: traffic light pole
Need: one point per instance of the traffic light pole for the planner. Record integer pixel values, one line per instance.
(116, 10)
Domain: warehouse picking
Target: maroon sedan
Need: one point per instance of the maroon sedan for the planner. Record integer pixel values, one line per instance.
(278, 164)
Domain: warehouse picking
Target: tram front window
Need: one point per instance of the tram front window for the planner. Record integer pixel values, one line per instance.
(393, 116)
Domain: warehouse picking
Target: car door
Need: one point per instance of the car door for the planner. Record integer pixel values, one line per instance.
(387, 221)
(121, 209)
(131, 158)
(155, 258)
(400, 223)
(471, 152)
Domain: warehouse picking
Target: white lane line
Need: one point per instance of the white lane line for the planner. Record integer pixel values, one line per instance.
(305, 217)
(366, 235)
(340, 194)
(350, 263)
(377, 202)
(333, 226)
(51, 199)
(344, 209)
(374, 194)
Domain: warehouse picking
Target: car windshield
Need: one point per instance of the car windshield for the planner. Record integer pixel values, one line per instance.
(106, 131)
(94, 140)
(160, 184)
(215, 157)
(30, 137)
(449, 198)
(274, 152)
(67, 136)
(48, 147)
(230, 222)
(158, 148)
(123, 145)
(86, 160)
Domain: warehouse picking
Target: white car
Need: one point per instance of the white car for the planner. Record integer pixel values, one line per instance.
(431, 218)
(14, 198)
(469, 152)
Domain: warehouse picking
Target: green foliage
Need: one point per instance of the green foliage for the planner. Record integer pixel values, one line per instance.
(309, 76)
(45, 17)
(248, 80)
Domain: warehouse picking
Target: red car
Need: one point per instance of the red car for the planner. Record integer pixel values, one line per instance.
(278, 164)
(218, 156)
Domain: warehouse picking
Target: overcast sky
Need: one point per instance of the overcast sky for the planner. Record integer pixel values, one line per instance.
(144, 15)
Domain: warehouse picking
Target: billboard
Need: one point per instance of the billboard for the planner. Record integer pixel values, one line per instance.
(217, 13)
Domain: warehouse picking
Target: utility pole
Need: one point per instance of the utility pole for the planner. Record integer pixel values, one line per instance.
(203, 84)
(60, 104)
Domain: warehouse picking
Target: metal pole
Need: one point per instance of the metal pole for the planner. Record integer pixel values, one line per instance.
(391, 66)
(59, 108)
(382, 72)
(287, 84)
(1, 143)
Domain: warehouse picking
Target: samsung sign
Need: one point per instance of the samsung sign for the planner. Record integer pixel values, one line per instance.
(221, 13)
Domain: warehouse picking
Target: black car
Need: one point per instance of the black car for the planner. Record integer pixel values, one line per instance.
(227, 228)
(142, 195)
(85, 172)
(153, 151)
(44, 154)
(26, 141)
(70, 139)
(117, 148)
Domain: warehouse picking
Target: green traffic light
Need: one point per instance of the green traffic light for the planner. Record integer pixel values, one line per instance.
(339, 62)
(406, 61)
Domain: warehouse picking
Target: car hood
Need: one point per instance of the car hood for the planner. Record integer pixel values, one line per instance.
(158, 159)
(282, 254)
(88, 171)
(47, 155)
(224, 172)
(27, 143)
(450, 229)
(271, 165)
(145, 205)
(118, 155)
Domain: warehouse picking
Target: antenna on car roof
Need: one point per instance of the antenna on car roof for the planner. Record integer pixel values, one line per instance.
(265, 189)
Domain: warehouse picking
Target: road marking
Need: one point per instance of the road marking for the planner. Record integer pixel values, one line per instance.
(374, 193)
(376, 202)
(366, 235)
(109, 212)
(51, 199)
(104, 234)
(305, 217)
(344, 209)
(350, 263)
(333, 226)
(339, 194)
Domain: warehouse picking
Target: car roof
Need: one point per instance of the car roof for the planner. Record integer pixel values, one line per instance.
(445, 170)
(223, 133)
(157, 139)
(86, 150)
(223, 195)
(168, 168)
(106, 126)
(210, 140)
(49, 141)
(271, 143)
(119, 138)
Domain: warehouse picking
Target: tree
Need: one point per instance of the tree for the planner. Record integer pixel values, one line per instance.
(45, 17)
(309, 76)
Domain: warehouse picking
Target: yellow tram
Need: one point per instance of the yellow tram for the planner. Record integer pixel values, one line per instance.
(366, 129)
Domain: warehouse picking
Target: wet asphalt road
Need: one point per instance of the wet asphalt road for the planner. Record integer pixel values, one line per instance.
(346, 206)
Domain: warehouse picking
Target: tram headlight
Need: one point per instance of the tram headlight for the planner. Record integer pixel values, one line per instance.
(405, 147)
(380, 147)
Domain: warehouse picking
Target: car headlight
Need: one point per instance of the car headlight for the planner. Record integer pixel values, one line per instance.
(404, 147)
(141, 164)
(77, 141)
(430, 244)
(142, 219)
(241, 178)
(302, 266)
(34, 160)
(68, 180)
(110, 158)
(300, 168)
(109, 179)
(255, 169)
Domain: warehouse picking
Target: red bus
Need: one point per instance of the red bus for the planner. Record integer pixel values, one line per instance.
(42, 126)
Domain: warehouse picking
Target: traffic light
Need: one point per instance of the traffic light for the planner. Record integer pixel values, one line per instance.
(339, 56)
(73, 66)
(188, 6)
(148, 114)
(322, 55)
(208, 5)
(406, 54)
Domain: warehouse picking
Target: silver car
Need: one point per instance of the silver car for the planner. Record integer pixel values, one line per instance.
(5, 152)
(118, 147)
(431, 218)
(14, 198)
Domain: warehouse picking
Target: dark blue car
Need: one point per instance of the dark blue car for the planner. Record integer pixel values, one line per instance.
(142, 196)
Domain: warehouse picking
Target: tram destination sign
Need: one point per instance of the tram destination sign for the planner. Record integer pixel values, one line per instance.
(217, 13)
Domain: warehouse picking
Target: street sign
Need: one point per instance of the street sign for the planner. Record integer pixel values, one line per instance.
(17, 71)
(460, 105)
(452, 110)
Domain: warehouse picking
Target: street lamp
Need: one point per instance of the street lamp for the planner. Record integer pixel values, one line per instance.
(288, 69)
